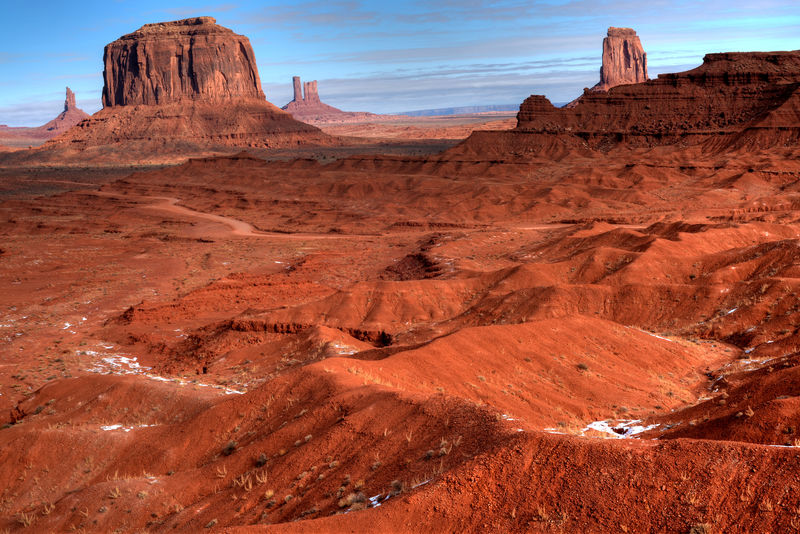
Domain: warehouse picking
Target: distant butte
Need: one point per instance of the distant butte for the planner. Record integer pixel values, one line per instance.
(69, 117)
(307, 107)
(187, 86)
(732, 100)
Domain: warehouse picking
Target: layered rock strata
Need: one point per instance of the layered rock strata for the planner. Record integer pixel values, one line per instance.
(732, 98)
(193, 59)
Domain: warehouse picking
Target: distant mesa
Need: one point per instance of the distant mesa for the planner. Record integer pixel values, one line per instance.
(69, 117)
(624, 59)
(306, 106)
(732, 99)
(184, 86)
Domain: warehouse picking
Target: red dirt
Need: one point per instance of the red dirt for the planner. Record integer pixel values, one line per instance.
(520, 334)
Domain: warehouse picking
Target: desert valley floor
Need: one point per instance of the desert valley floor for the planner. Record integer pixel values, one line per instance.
(557, 340)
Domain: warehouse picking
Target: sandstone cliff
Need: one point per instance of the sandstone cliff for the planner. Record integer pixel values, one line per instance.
(193, 59)
(732, 98)
(624, 59)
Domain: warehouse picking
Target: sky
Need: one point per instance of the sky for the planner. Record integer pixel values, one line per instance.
(385, 57)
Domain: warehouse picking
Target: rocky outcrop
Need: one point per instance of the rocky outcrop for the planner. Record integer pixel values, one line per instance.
(308, 107)
(311, 95)
(69, 117)
(186, 86)
(69, 102)
(731, 99)
(191, 59)
(624, 59)
(298, 89)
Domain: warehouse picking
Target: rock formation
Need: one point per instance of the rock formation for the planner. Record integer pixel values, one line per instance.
(185, 86)
(191, 59)
(298, 89)
(732, 99)
(311, 94)
(69, 117)
(307, 107)
(624, 59)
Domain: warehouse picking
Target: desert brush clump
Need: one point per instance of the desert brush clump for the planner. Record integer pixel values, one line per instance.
(352, 499)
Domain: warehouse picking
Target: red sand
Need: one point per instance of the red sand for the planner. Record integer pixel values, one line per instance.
(435, 333)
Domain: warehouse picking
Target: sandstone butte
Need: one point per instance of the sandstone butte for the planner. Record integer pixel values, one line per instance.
(624, 59)
(186, 83)
(69, 117)
(306, 106)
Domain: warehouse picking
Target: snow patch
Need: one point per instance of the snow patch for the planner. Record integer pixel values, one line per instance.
(619, 429)
(117, 364)
(119, 426)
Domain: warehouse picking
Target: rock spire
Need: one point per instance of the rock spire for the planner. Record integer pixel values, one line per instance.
(69, 102)
(624, 59)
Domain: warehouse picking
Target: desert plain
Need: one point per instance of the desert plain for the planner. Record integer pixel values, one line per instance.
(579, 319)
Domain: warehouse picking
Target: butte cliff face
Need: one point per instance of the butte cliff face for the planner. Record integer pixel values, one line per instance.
(191, 59)
(185, 86)
(732, 99)
(624, 59)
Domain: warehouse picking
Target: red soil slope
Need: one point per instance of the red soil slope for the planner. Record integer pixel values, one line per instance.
(411, 330)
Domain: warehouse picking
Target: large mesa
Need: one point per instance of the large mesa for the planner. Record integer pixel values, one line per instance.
(166, 62)
(732, 100)
(185, 86)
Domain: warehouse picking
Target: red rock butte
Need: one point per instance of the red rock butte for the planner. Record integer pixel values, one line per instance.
(624, 59)
(732, 100)
(306, 106)
(184, 86)
(167, 62)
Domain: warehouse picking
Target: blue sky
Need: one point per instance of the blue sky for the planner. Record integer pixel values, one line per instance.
(386, 57)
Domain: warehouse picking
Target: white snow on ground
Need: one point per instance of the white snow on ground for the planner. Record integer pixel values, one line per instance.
(123, 428)
(342, 348)
(66, 325)
(376, 501)
(116, 364)
(619, 429)
(651, 334)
